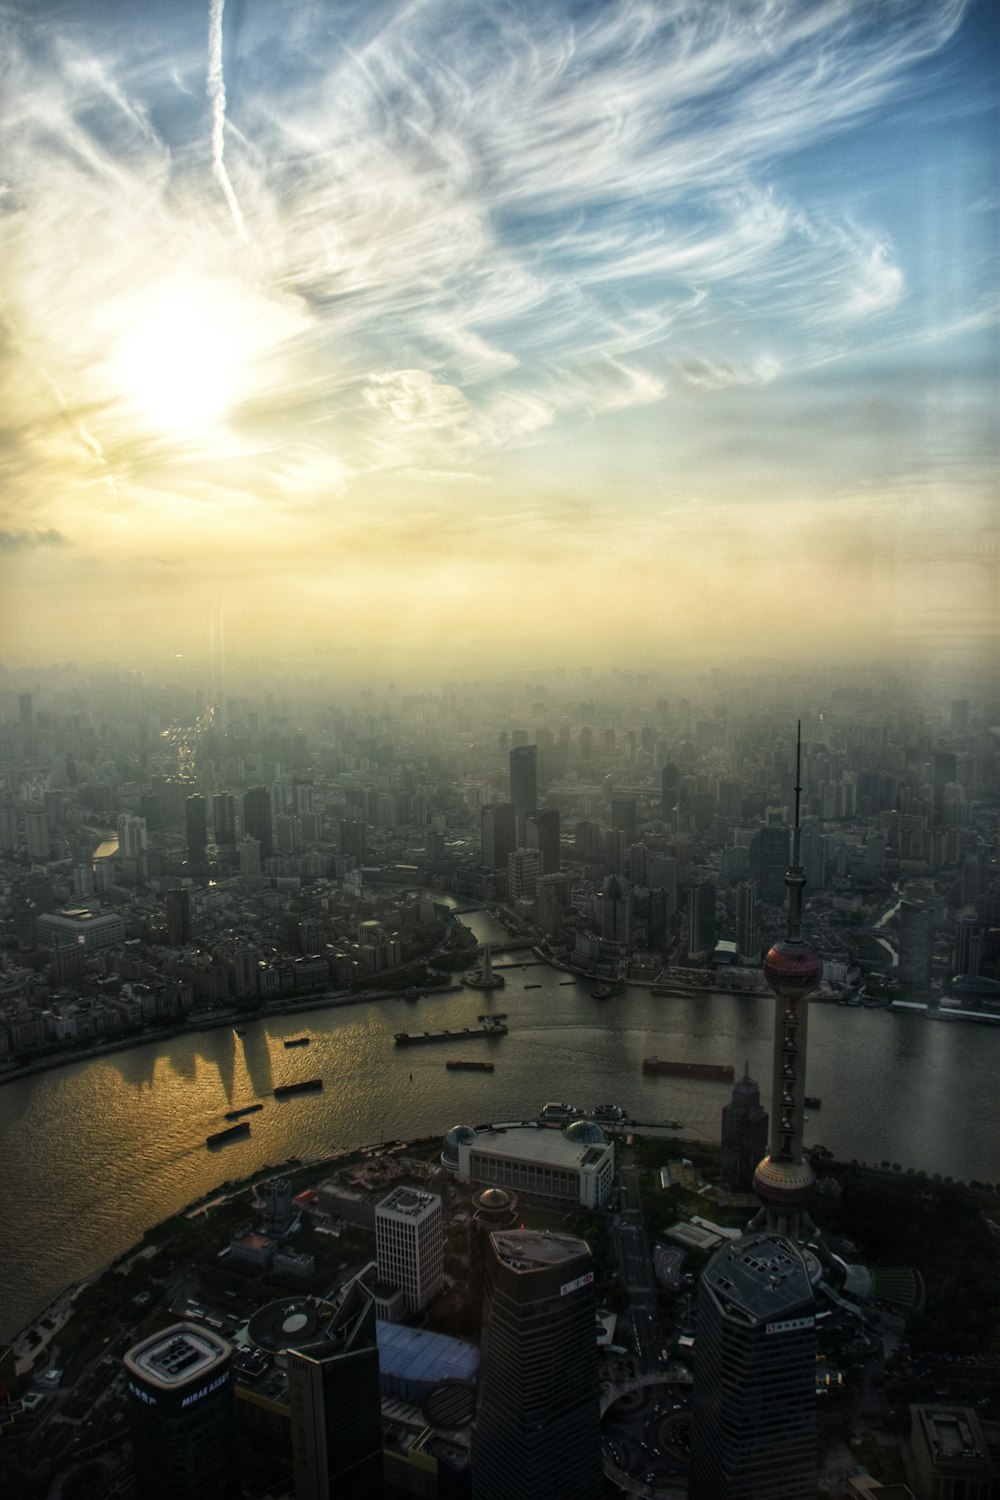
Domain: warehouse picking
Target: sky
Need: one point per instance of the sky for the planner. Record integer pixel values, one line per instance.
(415, 334)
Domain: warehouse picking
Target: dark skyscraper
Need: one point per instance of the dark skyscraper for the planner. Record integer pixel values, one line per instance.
(178, 904)
(768, 862)
(224, 820)
(747, 922)
(196, 833)
(498, 834)
(701, 919)
(542, 833)
(336, 1410)
(744, 1134)
(754, 1409)
(537, 1434)
(181, 1403)
(257, 821)
(523, 783)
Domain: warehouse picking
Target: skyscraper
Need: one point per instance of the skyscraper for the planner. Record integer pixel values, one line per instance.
(224, 820)
(744, 1134)
(181, 1404)
(257, 819)
(701, 919)
(916, 944)
(616, 910)
(542, 833)
(747, 922)
(498, 834)
(336, 1409)
(523, 783)
(196, 832)
(537, 1433)
(754, 1410)
(409, 1238)
(768, 862)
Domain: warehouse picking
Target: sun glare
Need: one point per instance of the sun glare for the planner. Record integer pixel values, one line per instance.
(181, 363)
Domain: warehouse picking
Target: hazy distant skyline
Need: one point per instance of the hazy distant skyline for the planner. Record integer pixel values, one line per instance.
(556, 331)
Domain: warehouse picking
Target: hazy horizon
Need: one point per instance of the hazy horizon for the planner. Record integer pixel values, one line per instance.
(423, 340)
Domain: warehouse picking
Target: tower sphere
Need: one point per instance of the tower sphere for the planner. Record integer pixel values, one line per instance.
(784, 1185)
(792, 968)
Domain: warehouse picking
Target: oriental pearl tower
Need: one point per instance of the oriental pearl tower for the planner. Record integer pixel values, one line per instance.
(783, 1181)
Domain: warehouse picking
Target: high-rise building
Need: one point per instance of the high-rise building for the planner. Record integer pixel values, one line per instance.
(250, 875)
(623, 816)
(754, 1409)
(945, 772)
(638, 865)
(614, 851)
(524, 870)
(968, 946)
(178, 904)
(524, 783)
(36, 832)
(747, 922)
(701, 919)
(542, 833)
(658, 927)
(769, 861)
(353, 839)
(335, 1403)
(224, 820)
(409, 1239)
(182, 1408)
(916, 944)
(537, 1432)
(744, 1134)
(616, 910)
(257, 819)
(133, 840)
(498, 834)
(196, 833)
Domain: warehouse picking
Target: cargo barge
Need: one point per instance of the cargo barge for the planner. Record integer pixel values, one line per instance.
(229, 1134)
(297, 1041)
(488, 1026)
(722, 1072)
(811, 1102)
(470, 1063)
(248, 1109)
(307, 1085)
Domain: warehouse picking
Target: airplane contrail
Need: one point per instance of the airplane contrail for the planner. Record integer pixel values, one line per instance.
(216, 85)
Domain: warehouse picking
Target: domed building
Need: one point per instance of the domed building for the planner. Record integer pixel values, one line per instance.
(493, 1208)
(458, 1135)
(585, 1133)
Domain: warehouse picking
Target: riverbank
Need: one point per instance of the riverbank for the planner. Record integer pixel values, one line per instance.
(216, 1021)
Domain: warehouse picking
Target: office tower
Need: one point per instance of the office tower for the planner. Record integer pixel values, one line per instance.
(616, 910)
(670, 786)
(753, 1415)
(587, 841)
(257, 819)
(178, 917)
(968, 946)
(916, 944)
(336, 1408)
(196, 833)
(542, 833)
(537, 1433)
(133, 839)
(783, 1181)
(658, 929)
(523, 783)
(224, 819)
(663, 872)
(552, 897)
(747, 922)
(497, 834)
(524, 870)
(36, 833)
(614, 851)
(25, 716)
(623, 816)
(744, 1134)
(701, 919)
(638, 864)
(250, 874)
(353, 839)
(409, 1239)
(8, 824)
(945, 772)
(768, 862)
(182, 1409)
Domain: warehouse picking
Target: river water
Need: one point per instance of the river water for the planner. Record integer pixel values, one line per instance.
(94, 1153)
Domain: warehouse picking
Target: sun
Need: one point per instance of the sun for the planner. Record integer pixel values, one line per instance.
(182, 361)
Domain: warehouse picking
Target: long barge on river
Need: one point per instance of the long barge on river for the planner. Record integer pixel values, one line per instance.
(495, 1025)
(248, 1109)
(722, 1072)
(471, 1064)
(304, 1086)
(229, 1134)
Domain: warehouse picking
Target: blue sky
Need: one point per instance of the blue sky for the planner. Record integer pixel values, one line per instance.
(327, 312)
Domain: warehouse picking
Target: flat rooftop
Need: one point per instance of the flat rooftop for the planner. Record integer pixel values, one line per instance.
(532, 1249)
(176, 1356)
(762, 1275)
(409, 1201)
(528, 1143)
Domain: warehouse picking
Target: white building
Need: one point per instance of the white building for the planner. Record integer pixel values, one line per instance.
(409, 1239)
(576, 1165)
(80, 925)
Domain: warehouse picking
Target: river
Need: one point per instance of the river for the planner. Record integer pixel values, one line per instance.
(95, 1152)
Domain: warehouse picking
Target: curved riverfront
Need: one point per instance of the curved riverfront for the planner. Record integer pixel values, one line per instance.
(97, 1151)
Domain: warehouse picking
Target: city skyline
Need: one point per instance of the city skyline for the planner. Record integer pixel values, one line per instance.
(646, 317)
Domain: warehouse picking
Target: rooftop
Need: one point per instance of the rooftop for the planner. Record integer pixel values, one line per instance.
(760, 1276)
(532, 1249)
(176, 1356)
(550, 1146)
